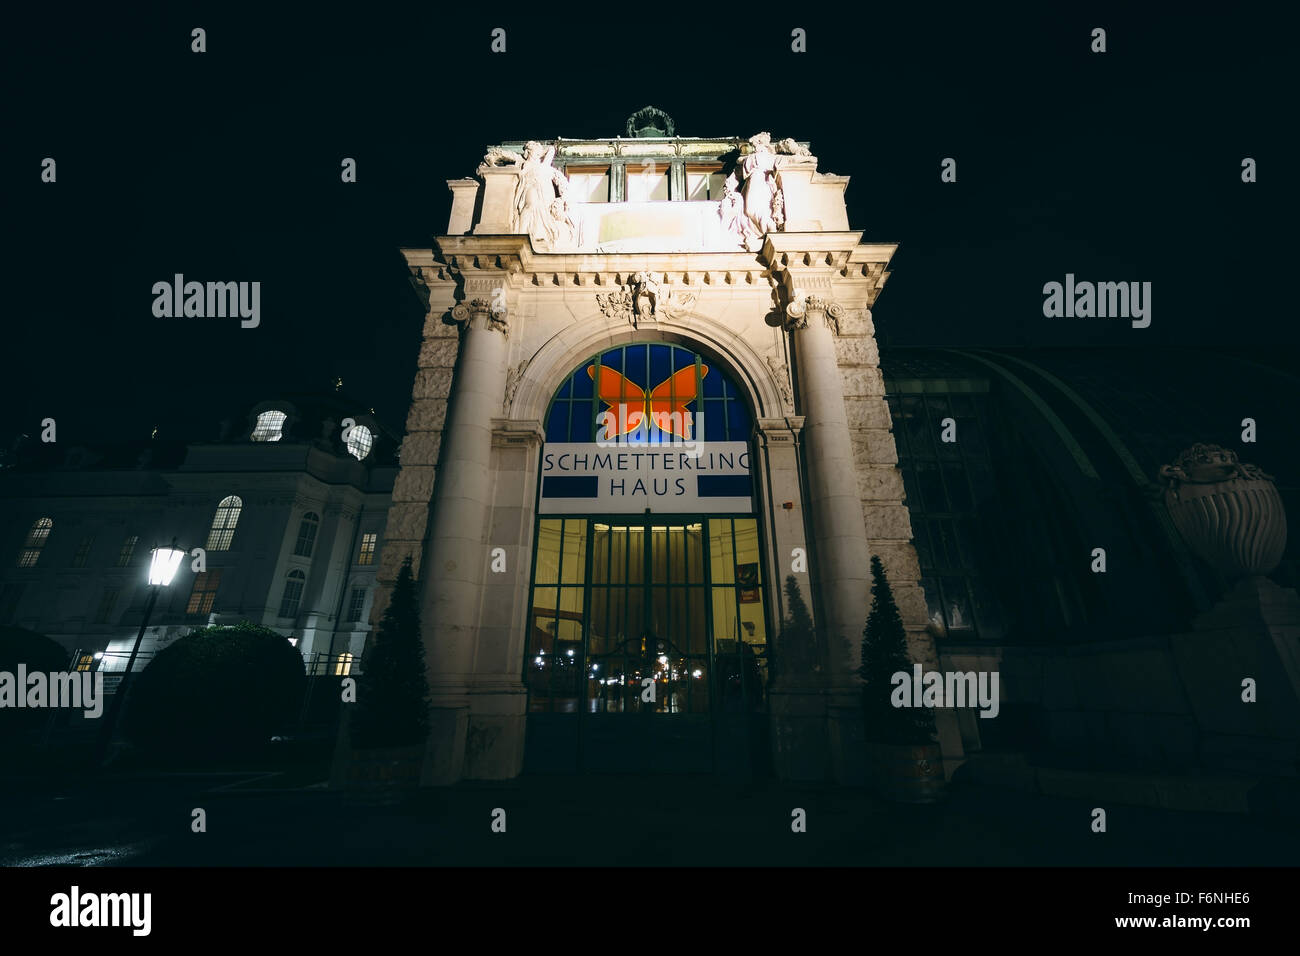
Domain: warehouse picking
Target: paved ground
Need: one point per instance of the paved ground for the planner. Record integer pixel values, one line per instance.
(601, 820)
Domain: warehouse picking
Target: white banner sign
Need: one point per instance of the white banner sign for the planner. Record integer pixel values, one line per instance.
(587, 478)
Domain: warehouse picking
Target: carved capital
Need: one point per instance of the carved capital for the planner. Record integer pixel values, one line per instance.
(810, 307)
(467, 313)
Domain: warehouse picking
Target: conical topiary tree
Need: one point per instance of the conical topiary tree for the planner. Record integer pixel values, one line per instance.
(392, 708)
(797, 646)
(884, 653)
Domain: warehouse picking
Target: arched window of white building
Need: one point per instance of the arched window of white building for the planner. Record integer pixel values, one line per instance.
(223, 523)
(293, 586)
(270, 426)
(307, 534)
(36, 538)
(359, 441)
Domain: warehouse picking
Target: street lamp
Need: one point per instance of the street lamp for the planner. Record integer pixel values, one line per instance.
(163, 565)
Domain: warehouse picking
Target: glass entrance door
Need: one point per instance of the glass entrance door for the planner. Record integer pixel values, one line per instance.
(647, 646)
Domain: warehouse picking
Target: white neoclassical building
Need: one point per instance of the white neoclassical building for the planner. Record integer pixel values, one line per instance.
(287, 513)
(648, 394)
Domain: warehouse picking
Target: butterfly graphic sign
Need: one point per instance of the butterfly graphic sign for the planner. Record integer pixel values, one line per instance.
(649, 452)
(633, 411)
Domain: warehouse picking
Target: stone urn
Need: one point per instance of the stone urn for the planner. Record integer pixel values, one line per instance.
(1230, 514)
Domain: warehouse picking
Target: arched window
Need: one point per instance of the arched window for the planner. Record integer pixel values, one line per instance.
(359, 441)
(223, 523)
(270, 425)
(357, 605)
(343, 667)
(292, 594)
(307, 534)
(36, 538)
(648, 559)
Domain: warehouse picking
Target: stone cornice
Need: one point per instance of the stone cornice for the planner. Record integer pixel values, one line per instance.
(786, 259)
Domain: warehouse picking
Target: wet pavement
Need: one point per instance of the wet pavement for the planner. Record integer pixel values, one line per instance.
(602, 821)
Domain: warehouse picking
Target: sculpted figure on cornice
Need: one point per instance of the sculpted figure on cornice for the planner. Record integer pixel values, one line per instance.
(644, 296)
(734, 219)
(791, 148)
(762, 186)
(541, 207)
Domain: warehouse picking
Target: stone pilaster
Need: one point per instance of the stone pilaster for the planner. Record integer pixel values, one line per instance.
(408, 515)
(457, 556)
(842, 555)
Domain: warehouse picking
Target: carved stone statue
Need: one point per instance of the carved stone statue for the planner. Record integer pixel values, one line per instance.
(791, 148)
(541, 209)
(645, 285)
(732, 209)
(762, 190)
(645, 297)
(496, 156)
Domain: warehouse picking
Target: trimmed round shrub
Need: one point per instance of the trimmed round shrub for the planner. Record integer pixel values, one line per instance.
(220, 690)
(39, 653)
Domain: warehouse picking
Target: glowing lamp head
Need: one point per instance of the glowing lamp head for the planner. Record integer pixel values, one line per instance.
(164, 565)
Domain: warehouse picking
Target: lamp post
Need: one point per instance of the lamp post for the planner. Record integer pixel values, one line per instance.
(163, 565)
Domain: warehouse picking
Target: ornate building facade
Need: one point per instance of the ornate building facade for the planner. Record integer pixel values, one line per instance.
(648, 394)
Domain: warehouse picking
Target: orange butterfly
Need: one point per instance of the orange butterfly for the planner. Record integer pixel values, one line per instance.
(664, 405)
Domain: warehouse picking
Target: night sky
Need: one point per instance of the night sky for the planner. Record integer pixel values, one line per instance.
(224, 166)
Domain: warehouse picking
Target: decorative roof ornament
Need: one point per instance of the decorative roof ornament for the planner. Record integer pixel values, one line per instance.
(650, 121)
(1229, 513)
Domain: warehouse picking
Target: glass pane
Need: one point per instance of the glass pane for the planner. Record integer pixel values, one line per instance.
(933, 601)
(696, 640)
(697, 186)
(753, 623)
(589, 186)
(971, 436)
(921, 539)
(722, 559)
(557, 426)
(746, 542)
(956, 604)
(981, 479)
(968, 541)
(726, 625)
(647, 183)
(911, 492)
(661, 538)
(988, 613)
(583, 422)
(962, 406)
(958, 490)
(944, 539)
(920, 441)
(574, 566)
(932, 496)
(548, 551)
(608, 612)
